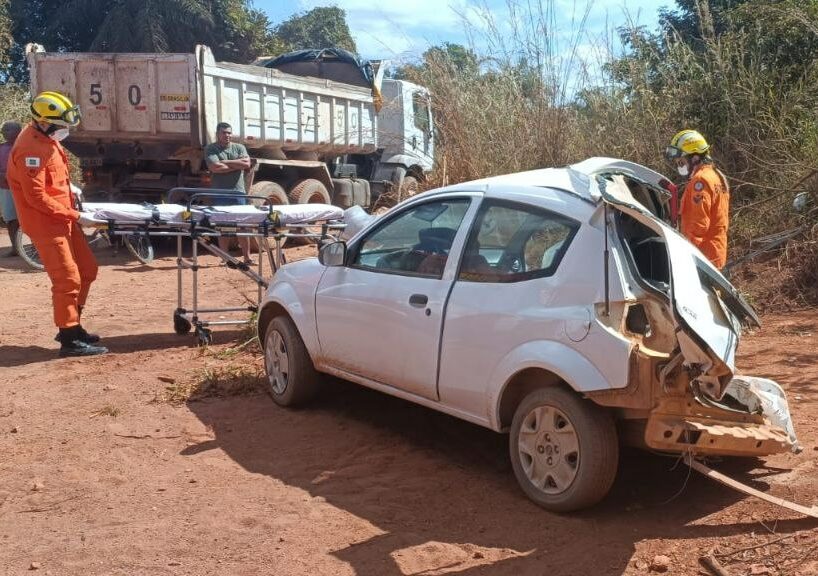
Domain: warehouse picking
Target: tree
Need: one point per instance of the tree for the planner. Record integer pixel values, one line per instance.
(235, 31)
(6, 39)
(319, 28)
(130, 25)
(449, 57)
(694, 19)
(241, 33)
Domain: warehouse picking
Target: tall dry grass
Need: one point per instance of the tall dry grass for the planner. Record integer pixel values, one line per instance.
(534, 100)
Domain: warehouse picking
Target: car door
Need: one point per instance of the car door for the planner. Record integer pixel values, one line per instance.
(508, 293)
(380, 316)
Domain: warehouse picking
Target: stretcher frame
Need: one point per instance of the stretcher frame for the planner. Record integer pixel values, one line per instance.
(202, 234)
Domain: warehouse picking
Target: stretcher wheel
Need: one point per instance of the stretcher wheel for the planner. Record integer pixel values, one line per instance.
(27, 251)
(181, 325)
(140, 246)
(204, 337)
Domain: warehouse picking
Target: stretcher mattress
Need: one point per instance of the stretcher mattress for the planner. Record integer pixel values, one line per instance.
(177, 214)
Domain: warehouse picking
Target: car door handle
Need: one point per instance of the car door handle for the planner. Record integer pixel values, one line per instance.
(418, 300)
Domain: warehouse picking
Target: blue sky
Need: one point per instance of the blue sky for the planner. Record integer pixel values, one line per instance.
(401, 30)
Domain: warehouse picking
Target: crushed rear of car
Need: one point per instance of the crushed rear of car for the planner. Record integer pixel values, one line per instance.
(685, 320)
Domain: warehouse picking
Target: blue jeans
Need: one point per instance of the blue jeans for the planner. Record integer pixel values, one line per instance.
(230, 201)
(7, 204)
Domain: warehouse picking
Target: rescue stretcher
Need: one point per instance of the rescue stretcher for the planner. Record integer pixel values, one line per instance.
(202, 224)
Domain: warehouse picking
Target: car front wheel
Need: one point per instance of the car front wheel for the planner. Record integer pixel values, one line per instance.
(291, 377)
(564, 450)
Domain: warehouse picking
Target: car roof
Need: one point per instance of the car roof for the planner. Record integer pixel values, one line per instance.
(572, 185)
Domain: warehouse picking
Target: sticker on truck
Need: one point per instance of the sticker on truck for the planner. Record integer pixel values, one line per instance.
(174, 97)
(175, 115)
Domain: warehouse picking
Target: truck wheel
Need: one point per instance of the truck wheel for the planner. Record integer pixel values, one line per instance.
(408, 189)
(274, 193)
(564, 450)
(291, 377)
(309, 191)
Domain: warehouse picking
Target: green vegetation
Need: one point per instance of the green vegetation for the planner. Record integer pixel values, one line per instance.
(235, 30)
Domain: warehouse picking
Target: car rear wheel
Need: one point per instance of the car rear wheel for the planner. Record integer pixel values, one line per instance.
(564, 450)
(291, 377)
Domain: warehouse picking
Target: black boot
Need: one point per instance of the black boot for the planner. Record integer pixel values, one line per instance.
(86, 337)
(13, 226)
(73, 345)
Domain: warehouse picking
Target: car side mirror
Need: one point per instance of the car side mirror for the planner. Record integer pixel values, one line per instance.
(333, 254)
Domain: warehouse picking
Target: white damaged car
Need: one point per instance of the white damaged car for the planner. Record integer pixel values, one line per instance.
(555, 305)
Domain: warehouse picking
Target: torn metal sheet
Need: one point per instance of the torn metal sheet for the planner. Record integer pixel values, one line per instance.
(811, 511)
(763, 396)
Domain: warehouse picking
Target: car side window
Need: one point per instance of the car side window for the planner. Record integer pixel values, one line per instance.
(511, 243)
(416, 242)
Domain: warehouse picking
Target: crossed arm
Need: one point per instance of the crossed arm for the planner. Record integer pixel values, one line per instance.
(224, 166)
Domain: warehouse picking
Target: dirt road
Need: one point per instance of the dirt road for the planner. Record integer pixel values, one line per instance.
(102, 474)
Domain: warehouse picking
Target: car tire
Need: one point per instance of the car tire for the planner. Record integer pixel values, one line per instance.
(291, 377)
(564, 449)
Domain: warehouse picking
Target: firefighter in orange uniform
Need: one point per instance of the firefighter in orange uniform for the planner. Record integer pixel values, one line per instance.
(706, 199)
(38, 177)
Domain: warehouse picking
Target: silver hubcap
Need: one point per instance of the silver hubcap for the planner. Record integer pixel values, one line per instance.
(277, 362)
(549, 449)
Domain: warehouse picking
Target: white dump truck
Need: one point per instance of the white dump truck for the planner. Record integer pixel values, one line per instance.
(320, 129)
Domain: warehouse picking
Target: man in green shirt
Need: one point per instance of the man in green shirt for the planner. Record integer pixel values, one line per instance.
(227, 162)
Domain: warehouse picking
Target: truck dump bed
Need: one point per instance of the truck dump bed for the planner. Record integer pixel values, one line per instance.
(158, 106)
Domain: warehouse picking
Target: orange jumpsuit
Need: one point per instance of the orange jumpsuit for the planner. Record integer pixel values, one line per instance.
(704, 213)
(38, 177)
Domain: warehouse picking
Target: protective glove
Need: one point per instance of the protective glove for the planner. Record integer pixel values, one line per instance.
(76, 191)
(86, 219)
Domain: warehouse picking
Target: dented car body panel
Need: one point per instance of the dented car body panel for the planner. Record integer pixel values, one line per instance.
(436, 302)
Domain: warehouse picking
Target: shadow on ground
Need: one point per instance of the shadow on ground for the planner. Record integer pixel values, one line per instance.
(423, 477)
(23, 355)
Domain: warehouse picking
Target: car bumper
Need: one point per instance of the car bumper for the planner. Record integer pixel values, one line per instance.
(756, 423)
(707, 436)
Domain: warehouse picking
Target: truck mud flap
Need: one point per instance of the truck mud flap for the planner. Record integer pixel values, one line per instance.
(811, 511)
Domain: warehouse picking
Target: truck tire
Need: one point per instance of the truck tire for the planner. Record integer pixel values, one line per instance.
(564, 449)
(309, 191)
(272, 191)
(408, 189)
(291, 377)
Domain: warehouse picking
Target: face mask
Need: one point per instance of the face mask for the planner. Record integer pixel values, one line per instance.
(59, 134)
(683, 171)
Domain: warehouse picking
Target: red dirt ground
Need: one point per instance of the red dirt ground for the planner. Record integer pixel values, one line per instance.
(99, 475)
